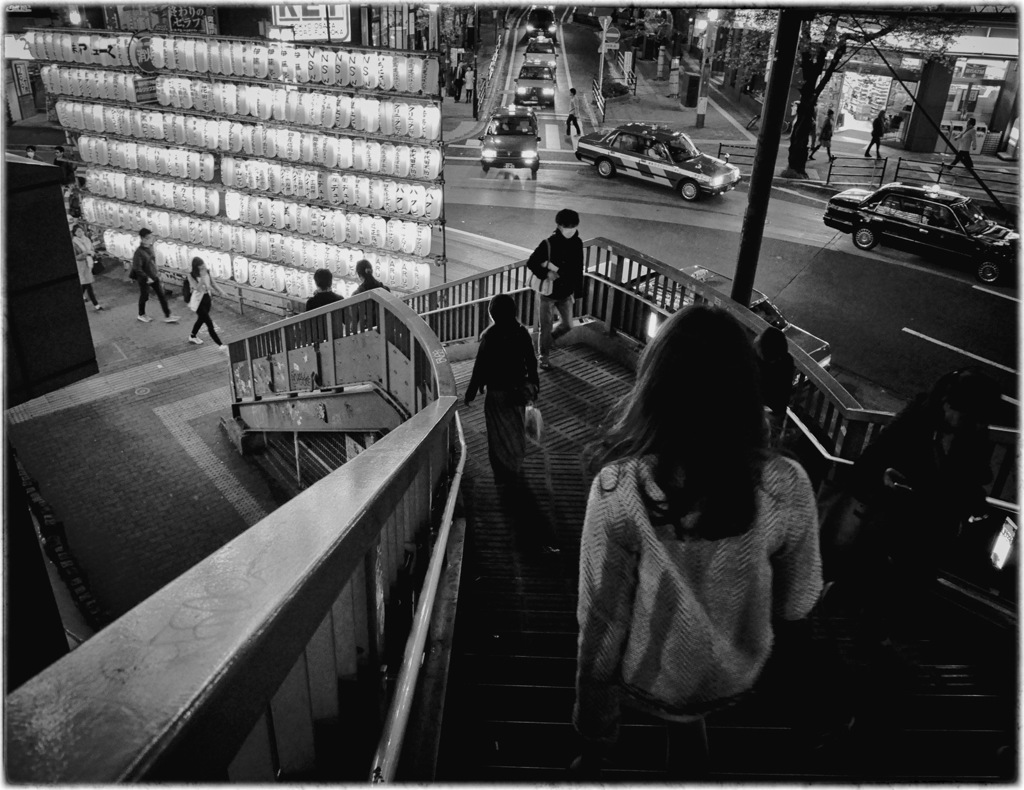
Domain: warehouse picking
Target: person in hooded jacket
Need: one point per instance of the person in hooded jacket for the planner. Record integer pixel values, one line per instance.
(558, 258)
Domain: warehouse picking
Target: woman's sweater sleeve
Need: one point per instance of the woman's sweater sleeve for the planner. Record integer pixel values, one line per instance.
(608, 575)
(478, 380)
(796, 565)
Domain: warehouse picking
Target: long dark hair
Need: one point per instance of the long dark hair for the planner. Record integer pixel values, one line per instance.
(696, 407)
(196, 263)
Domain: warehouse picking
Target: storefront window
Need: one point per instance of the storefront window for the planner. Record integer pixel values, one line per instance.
(974, 90)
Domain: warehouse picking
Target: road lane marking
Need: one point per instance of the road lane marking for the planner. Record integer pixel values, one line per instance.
(995, 293)
(551, 138)
(959, 350)
(491, 241)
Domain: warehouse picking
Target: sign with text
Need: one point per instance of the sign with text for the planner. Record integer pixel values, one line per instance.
(188, 18)
(611, 46)
(611, 35)
(310, 22)
(21, 81)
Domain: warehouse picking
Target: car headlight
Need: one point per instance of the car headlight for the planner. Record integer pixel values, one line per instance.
(717, 181)
(520, 91)
(551, 28)
(529, 28)
(549, 91)
(551, 64)
(489, 153)
(529, 154)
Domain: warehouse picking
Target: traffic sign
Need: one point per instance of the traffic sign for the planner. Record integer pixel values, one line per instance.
(605, 21)
(611, 35)
(610, 46)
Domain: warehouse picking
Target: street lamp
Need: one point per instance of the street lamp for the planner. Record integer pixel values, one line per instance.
(707, 53)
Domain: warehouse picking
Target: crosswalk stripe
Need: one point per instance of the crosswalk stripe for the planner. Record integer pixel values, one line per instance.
(551, 137)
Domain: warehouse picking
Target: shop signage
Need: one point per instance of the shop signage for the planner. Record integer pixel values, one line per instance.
(140, 53)
(21, 80)
(188, 19)
(16, 48)
(907, 69)
(310, 22)
(976, 70)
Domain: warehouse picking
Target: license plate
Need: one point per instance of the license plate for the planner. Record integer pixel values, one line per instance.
(510, 167)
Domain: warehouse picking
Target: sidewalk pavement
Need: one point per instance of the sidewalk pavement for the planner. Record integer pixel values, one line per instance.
(133, 460)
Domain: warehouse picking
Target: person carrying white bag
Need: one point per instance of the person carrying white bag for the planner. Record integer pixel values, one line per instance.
(201, 284)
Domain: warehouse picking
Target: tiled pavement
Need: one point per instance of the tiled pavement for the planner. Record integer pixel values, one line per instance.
(133, 459)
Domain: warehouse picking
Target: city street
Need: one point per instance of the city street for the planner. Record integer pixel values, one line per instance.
(896, 321)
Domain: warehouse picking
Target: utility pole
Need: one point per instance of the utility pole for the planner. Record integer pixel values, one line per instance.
(707, 55)
(775, 101)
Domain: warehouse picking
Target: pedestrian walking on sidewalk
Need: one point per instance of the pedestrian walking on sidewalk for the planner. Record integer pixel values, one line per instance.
(825, 137)
(963, 142)
(559, 258)
(367, 282)
(470, 83)
(460, 79)
(878, 127)
(85, 256)
(145, 273)
(202, 284)
(699, 544)
(574, 113)
(506, 370)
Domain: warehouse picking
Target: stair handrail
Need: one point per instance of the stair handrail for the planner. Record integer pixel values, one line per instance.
(389, 749)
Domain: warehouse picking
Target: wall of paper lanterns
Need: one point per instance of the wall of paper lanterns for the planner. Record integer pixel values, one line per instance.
(267, 159)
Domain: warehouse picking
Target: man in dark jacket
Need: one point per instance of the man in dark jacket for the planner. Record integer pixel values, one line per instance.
(145, 273)
(324, 294)
(558, 258)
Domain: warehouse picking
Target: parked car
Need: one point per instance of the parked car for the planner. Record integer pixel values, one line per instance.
(510, 140)
(541, 52)
(929, 221)
(817, 349)
(541, 22)
(659, 155)
(536, 85)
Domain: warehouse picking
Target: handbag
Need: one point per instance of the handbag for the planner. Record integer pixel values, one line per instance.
(545, 286)
(96, 265)
(534, 423)
(195, 300)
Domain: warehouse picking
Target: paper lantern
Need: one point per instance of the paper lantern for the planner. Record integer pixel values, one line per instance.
(352, 229)
(431, 75)
(373, 156)
(348, 189)
(288, 181)
(363, 192)
(232, 204)
(346, 112)
(432, 123)
(403, 161)
(293, 100)
(276, 55)
(202, 56)
(401, 198)
(401, 74)
(270, 139)
(417, 199)
(319, 255)
(345, 152)
(359, 154)
(353, 62)
(393, 234)
(260, 60)
(276, 247)
(189, 48)
(227, 59)
(247, 135)
(376, 194)
(341, 69)
(415, 66)
(366, 230)
(399, 119)
(306, 147)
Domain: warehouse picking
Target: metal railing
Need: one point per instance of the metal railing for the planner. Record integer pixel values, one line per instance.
(629, 73)
(234, 670)
(853, 171)
(1002, 181)
(599, 100)
(457, 311)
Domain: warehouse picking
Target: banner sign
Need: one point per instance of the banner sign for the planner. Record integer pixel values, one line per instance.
(310, 21)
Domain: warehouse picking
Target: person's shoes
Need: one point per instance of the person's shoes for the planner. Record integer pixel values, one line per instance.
(222, 347)
(810, 157)
(144, 318)
(832, 158)
(85, 298)
(197, 340)
(97, 307)
(867, 156)
(172, 319)
(544, 365)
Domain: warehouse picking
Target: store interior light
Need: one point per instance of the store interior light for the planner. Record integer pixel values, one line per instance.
(712, 15)
(75, 16)
(700, 24)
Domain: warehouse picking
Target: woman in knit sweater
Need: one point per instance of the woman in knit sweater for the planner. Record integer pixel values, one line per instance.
(695, 538)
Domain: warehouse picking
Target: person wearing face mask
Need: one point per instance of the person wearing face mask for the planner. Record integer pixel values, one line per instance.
(563, 249)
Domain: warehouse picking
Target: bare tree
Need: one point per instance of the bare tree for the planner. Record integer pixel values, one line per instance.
(828, 39)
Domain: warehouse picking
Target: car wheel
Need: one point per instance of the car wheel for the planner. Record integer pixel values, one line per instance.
(988, 272)
(688, 189)
(864, 238)
(485, 168)
(605, 168)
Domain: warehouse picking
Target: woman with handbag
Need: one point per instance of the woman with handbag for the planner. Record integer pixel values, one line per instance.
(202, 284)
(506, 369)
(698, 542)
(85, 258)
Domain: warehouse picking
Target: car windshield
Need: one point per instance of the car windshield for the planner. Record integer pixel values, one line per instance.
(536, 73)
(970, 216)
(510, 126)
(545, 47)
(681, 148)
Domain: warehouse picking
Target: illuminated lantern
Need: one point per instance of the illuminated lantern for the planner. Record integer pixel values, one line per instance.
(306, 147)
(247, 133)
(365, 229)
(345, 153)
(276, 247)
(270, 147)
(378, 231)
(328, 67)
(163, 95)
(288, 181)
(189, 49)
(293, 149)
(376, 194)
(260, 60)
(400, 119)
(157, 51)
(279, 278)
(388, 159)
(393, 234)
(243, 99)
(385, 72)
(202, 56)
(275, 60)
(237, 58)
(226, 61)
(308, 257)
(401, 72)
(346, 108)
(363, 192)
(415, 65)
(278, 104)
(229, 98)
(235, 138)
(334, 264)
(255, 278)
(423, 239)
(264, 103)
(233, 206)
(330, 151)
(352, 229)
(373, 156)
(432, 122)
(354, 72)
(348, 189)
(277, 214)
(416, 121)
(390, 197)
(417, 199)
(319, 255)
(291, 216)
(341, 70)
(291, 107)
(359, 154)
(304, 219)
(371, 115)
(192, 165)
(301, 63)
(401, 198)
(403, 161)
(431, 74)
(336, 226)
(370, 70)
(251, 214)
(214, 54)
(386, 114)
(358, 115)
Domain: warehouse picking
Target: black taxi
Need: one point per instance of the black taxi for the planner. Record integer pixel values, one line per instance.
(535, 85)
(659, 155)
(510, 140)
(927, 220)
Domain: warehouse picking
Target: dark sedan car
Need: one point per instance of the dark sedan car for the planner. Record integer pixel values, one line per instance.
(510, 140)
(929, 221)
(536, 85)
(541, 22)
